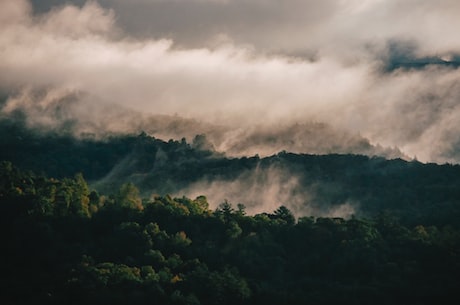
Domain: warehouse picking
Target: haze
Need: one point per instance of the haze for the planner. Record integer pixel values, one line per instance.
(386, 71)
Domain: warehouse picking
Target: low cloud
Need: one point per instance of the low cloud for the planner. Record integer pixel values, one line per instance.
(266, 189)
(51, 110)
(90, 52)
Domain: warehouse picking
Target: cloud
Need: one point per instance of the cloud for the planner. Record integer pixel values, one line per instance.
(264, 189)
(301, 27)
(14, 11)
(415, 111)
(76, 113)
(150, 75)
(231, 63)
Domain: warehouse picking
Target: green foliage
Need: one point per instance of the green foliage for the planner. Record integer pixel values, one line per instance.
(283, 214)
(128, 197)
(65, 243)
(41, 196)
(414, 192)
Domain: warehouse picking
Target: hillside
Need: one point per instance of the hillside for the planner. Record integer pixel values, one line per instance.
(216, 152)
(66, 244)
(317, 185)
(284, 229)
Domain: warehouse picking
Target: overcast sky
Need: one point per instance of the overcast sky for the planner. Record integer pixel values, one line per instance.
(384, 69)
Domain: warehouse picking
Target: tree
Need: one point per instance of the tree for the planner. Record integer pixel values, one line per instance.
(225, 210)
(233, 230)
(128, 197)
(200, 142)
(284, 214)
(241, 209)
(80, 196)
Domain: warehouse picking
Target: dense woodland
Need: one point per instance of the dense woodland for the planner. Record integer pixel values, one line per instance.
(412, 191)
(68, 242)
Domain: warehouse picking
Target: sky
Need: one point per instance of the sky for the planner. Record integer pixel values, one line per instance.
(384, 70)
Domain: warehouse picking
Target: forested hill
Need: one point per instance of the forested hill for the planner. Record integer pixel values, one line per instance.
(66, 244)
(309, 184)
(129, 236)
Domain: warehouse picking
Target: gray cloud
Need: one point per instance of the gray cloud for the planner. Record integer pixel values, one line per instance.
(303, 27)
(229, 63)
(198, 23)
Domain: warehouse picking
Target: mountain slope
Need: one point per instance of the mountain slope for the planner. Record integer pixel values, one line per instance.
(320, 185)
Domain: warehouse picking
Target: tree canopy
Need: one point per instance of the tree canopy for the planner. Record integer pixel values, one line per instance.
(66, 243)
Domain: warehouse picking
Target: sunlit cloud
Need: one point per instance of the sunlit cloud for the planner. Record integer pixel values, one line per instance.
(295, 62)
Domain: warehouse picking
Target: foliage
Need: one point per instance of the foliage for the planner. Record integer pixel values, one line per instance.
(65, 243)
(412, 191)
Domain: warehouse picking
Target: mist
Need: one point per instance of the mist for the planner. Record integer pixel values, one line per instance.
(266, 189)
(261, 73)
(70, 112)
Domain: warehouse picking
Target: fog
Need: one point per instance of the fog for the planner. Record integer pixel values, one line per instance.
(260, 66)
(266, 189)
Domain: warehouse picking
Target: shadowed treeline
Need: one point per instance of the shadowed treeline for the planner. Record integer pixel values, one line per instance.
(320, 185)
(67, 244)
